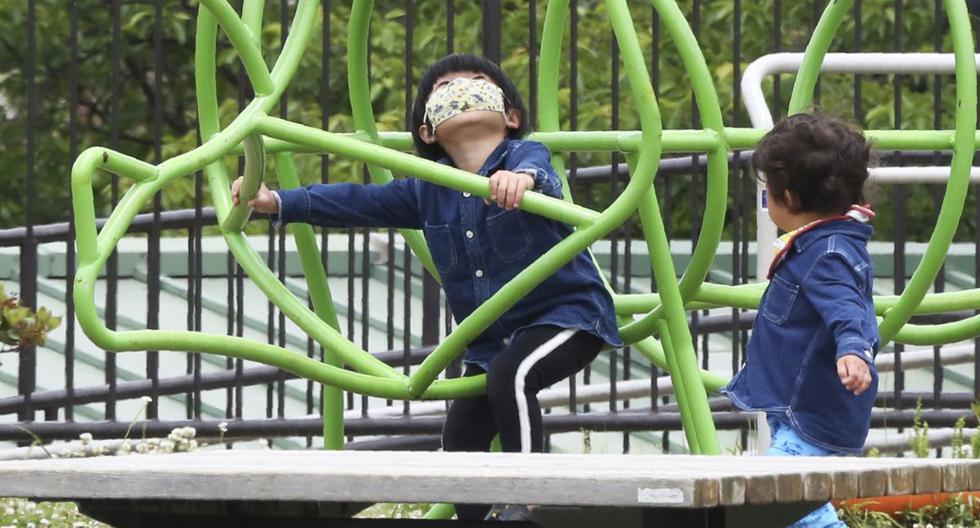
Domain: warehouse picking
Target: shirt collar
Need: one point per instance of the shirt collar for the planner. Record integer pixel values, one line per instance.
(842, 226)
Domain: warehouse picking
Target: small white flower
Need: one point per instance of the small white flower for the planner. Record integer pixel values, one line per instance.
(44, 522)
(85, 438)
(124, 448)
(263, 443)
(167, 445)
(192, 445)
(30, 506)
(146, 399)
(31, 525)
(223, 427)
(10, 511)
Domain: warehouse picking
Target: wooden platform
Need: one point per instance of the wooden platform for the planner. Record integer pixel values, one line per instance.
(619, 481)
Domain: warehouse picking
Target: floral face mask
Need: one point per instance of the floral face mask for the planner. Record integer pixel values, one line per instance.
(463, 95)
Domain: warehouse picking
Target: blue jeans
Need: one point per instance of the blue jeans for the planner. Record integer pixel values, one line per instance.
(787, 442)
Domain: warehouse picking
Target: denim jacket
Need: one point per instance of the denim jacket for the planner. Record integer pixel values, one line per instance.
(817, 308)
(477, 248)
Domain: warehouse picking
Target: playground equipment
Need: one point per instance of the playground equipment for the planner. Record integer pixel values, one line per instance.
(655, 324)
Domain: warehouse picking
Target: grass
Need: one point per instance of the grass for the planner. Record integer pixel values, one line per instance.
(21, 513)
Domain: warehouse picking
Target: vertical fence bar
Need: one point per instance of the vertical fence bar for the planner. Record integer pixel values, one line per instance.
(450, 26)
(937, 192)
(335, 397)
(365, 285)
(153, 243)
(112, 265)
(898, 196)
(281, 320)
(858, 45)
(284, 114)
(243, 93)
(777, 46)
(229, 327)
(491, 29)
(532, 63)
(660, 186)
(736, 174)
(69, 318)
(189, 323)
(976, 246)
(27, 366)
(407, 254)
(695, 192)
(614, 274)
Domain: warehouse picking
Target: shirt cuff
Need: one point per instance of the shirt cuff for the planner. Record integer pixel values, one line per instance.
(864, 352)
(537, 174)
(294, 206)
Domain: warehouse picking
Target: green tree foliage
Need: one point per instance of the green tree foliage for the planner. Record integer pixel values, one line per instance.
(117, 100)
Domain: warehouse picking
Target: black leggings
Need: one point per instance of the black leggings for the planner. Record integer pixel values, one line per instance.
(537, 358)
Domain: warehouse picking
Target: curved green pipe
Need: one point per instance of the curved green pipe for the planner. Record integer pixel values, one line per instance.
(254, 174)
(360, 100)
(939, 334)
(245, 43)
(816, 49)
(319, 292)
(959, 178)
(716, 197)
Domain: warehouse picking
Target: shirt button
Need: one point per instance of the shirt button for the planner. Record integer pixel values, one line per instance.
(479, 273)
(466, 195)
(469, 234)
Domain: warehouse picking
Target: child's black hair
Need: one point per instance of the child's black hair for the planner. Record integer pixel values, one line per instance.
(823, 161)
(457, 63)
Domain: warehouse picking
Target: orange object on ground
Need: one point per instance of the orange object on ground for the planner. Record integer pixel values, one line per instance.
(901, 503)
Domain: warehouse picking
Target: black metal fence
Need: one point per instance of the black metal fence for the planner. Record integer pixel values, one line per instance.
(90, 112)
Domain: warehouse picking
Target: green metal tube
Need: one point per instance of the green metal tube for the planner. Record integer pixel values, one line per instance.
(934, 303)
(253, 178)
(297, 312)
(939, 334)
(703, 434)
(252, 11)
(681, 393)
(654, 351)
(360, 100)
(440, 511)
(959, 180)
(716, 197)
(244, 42)
(319, 290)
(423, 169)
(816, 49)
(746, 138)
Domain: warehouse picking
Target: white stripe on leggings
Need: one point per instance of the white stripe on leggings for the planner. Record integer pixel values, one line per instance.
(526, 365)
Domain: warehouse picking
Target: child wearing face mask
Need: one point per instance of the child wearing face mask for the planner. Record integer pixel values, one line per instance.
(469, 115)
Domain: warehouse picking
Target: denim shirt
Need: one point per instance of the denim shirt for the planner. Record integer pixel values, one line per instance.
(477, 248)
(817, 308)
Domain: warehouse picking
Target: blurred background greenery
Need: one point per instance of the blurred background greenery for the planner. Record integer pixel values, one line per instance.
(116, 97)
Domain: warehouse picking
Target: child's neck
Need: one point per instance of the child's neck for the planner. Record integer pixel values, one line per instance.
(472, 148)
(799, 220)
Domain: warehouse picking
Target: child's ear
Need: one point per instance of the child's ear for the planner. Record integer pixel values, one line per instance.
(512, 118)
(791, 200)
(427, 136)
